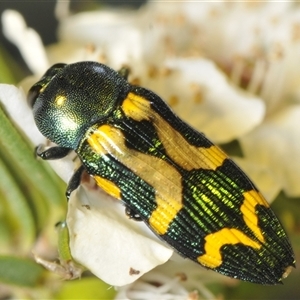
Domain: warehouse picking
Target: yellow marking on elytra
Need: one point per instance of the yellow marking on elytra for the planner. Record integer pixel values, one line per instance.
(60, 100)
(251, 199)
(165, 179)
(108, 186)
(214, 241)
(177, 147)
(230, 236)
(137, 107)
(163, 215)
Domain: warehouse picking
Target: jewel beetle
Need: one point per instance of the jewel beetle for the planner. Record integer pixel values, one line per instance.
(165, 173)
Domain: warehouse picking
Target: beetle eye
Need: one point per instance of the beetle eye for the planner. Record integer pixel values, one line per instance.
(33, 94)
(35, 90)
(54, 70)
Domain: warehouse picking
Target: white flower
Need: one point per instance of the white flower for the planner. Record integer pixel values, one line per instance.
(258, 45)
(104, 240)
(26, 39)
(155, 285)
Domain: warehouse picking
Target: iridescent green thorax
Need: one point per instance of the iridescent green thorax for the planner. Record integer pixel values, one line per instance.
(73, 97)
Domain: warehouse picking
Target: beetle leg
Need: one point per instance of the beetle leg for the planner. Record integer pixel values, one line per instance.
(74, 182)
(52, 153)
(132, 214)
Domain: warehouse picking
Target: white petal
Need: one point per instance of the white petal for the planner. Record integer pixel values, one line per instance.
(68, 52)
(104, 240)
(115, 33)
(15, 104)
(262, 176)
(26, 39)
(276, 144)
(64, 168)
(225, 112)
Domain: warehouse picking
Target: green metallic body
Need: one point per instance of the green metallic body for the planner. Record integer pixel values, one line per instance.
(93, 95)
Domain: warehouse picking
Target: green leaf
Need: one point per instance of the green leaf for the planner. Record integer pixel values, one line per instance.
(43, 191)
(63, 242)
(10, 70)
(86, 288)
(20, 271)
(15, 213)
